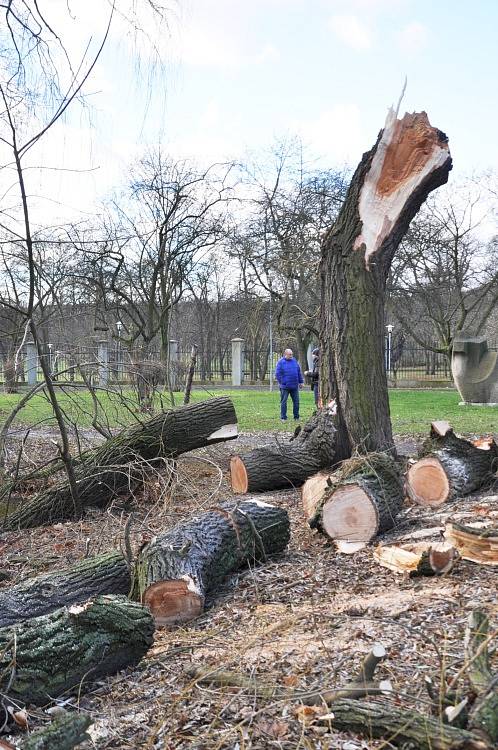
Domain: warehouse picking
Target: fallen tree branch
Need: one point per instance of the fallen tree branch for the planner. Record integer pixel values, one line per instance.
(120, 464)
(63, 733)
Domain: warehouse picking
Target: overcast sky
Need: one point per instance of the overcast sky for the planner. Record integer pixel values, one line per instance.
(239, 73)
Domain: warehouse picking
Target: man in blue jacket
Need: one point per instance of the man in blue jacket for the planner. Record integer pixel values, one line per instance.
(290, 379)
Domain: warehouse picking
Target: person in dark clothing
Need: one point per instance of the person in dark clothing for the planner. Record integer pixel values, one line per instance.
(314, 374)
(290, 379)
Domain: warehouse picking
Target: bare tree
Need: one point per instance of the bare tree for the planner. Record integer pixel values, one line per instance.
(444, 278)
(291, 204)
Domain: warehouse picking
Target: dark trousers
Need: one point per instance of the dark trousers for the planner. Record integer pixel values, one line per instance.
(284, 395)
(315, 392)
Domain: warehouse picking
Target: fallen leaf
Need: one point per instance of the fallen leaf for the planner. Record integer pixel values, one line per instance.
(21, 718)
(307, 714)
(290, 680)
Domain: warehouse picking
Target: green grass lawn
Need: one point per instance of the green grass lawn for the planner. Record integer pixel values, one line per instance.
(411, 410)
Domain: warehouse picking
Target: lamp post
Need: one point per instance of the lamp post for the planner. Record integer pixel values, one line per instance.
(390, 328)
(271, 344)
(50, 359)
(119, 326)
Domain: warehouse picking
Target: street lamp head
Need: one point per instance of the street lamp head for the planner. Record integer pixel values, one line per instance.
(119, 326)
(390, 328)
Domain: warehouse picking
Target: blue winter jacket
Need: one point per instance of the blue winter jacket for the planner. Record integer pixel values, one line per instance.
(288, 373)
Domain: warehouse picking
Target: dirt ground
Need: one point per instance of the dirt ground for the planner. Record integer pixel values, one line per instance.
(302, 620)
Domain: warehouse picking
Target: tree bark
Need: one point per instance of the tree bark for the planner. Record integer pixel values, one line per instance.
(175, 572)
(104, 574)
(402, 727)
(119, 465)
(451, 467)
(43, 657)
(409, 160)
(63, 733)
(286, 464)
(358, 501)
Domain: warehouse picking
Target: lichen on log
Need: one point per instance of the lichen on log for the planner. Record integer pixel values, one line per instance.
(43, 657)
(103, 574)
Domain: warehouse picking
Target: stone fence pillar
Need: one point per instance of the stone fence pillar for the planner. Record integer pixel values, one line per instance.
(31, 362)
(173, 363)
(103, 359)
(237, 361)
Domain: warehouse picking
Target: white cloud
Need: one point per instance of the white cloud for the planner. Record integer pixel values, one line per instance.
(351, 31)
(413, 37)
(336, 135)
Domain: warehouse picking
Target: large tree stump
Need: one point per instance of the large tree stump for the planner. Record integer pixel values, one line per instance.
(286, 464)
(104, 574)
(410, 159)
(120, 465)
(43, 657)
(450, 467)
(175, 572)
(355, 503)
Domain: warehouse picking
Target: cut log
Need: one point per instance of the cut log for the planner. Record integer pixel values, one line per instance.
(422, 559)
(358, 501)
(174, 573)
(451, 467)
(122, 463)
(104, 574)
(480, 545)
(63, 733)
(43, 657)
(287, 464)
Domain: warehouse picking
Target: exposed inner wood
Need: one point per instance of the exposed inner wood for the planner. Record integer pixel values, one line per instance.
(238, 475)
(349, 515)
(427, 483)
(484, 443)
(409, 150)
(441, 427)
(479, 545)
(437, 557)
(172, 601)
(312, 492)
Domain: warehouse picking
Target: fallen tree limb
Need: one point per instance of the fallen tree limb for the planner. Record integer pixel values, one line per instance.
(361, 686)
(356, 502)
(422, 559)
(450, 467)
(103, 574)
(174, 573)
(43, 657)
(63, 733)
(286, 464)
(120, 464)
(480, 545)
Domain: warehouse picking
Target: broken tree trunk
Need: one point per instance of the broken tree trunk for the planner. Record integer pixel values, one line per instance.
(409, 160)
(480, 545)
(177, 569)
(43, 657)
(286, 464)
(103, 574)
(355, 503)
(63, 733)
(119, 465)
(450, 467)
(422, 559)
